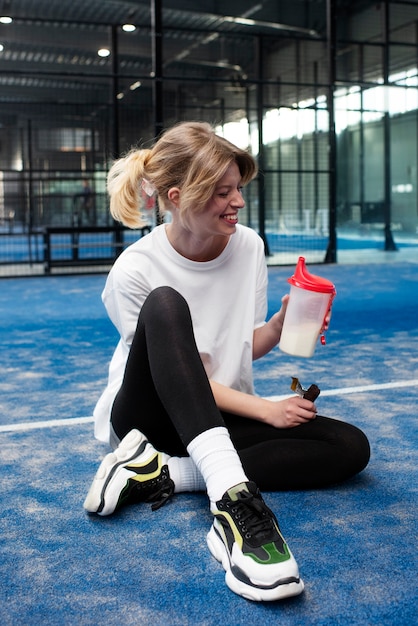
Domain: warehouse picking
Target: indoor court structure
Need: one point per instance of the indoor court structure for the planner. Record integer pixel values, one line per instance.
(324, 94)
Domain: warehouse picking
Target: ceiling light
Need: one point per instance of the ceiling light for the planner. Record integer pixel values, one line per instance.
(1, 47)
(135, 85)
(103, 52)
(5, 20)
(129, 28)
(260, 23)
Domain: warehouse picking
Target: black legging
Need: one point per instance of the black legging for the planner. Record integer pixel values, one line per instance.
(166, 395)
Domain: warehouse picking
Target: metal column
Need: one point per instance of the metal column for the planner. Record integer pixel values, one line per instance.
(331, 253)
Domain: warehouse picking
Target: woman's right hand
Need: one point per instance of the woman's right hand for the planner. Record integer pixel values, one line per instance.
(289, 412)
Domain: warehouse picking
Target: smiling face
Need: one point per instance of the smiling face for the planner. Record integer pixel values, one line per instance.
(220, 215)
(203, 234)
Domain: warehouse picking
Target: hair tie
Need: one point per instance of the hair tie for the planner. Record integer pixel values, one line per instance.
(148, 187)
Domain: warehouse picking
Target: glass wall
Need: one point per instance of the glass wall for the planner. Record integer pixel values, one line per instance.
(376, 104)
(330, 112)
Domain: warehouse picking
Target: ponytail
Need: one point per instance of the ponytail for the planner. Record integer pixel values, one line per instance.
(124, 188)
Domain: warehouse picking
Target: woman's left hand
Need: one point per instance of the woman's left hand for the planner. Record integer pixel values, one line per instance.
(327, 321)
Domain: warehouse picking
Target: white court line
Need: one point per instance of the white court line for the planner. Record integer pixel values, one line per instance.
(73, 421)
(360, 389)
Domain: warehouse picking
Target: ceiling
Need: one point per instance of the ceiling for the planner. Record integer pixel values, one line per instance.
(205, 14)
(50, 50)
(65, 35)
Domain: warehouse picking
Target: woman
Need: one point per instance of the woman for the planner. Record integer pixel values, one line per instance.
(189, 301)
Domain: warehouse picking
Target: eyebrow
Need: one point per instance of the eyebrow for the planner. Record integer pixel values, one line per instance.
(228, 186)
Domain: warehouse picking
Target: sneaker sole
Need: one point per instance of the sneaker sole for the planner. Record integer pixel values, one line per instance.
(129, 448)
(282, 588)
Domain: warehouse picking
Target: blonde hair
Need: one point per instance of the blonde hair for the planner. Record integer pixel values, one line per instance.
(189, 156)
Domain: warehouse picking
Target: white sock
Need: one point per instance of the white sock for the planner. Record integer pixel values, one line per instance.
(185, 475)
(217, 460)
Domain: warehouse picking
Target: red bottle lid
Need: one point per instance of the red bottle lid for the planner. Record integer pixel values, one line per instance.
(304, 280)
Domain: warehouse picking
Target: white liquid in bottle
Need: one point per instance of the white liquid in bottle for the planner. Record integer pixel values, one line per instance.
(300, 340)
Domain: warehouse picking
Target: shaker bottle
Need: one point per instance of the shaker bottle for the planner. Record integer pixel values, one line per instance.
(309, 302)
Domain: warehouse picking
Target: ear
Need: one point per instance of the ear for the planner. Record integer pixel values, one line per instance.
(174, 196)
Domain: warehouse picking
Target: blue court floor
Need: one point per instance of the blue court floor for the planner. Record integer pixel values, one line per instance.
(356, 543)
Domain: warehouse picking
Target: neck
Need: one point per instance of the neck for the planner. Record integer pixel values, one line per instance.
(193, 248)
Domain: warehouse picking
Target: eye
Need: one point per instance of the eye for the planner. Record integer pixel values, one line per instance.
(225, 194)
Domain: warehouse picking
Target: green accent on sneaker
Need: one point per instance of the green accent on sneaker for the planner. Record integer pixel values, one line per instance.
(273, 555)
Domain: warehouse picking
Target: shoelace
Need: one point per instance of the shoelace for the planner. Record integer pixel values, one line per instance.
(162, 495)
(162, 488)
(254, 514)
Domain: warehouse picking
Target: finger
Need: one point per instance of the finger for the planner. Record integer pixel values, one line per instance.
(309, 416)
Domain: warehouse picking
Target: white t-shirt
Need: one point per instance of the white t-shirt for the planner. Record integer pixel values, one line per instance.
(227, 298)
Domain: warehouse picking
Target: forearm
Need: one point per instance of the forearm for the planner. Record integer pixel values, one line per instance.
(285, 413)
(268, 336)
(239, 403)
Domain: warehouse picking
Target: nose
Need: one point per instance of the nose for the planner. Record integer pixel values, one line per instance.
(238, 200)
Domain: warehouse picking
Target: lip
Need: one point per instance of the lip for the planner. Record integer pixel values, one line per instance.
(230, 218)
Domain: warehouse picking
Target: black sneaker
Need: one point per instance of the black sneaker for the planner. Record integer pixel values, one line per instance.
(134, 472)
(245, 537)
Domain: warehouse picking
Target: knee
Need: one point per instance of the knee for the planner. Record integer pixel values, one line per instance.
(364, 450)
(165, 304)
(164, 298)
(356, 449)
(348, 447)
